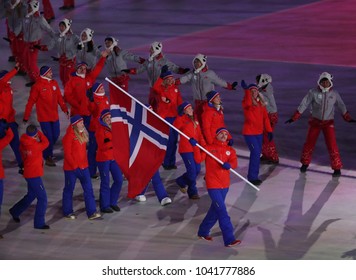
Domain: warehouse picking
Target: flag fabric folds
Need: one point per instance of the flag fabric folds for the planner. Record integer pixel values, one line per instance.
(139, 140)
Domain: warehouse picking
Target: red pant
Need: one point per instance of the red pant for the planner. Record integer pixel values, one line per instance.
(29, 56)
(48, 12)
(327, 127)
(66, 67)
(68, 3)
(269, 150)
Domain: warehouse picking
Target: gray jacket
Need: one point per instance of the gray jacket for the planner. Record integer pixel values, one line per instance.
(202, 83)
(66, 45)
(322, 104)
(15, 17)
(89, 58)
(267, 94)
(33, 28)
(154, 67)
(116, 63)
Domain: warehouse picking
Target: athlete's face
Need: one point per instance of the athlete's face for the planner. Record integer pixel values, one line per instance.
(222, 136)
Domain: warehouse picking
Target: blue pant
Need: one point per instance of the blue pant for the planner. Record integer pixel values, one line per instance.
(218, 212)
(109, 196)
(70, 178)
(15, 143)
(158, 187)
(92, 147)
(35, 189)
(189, 178)
(51, 130)
(254, 143)
(170, 157)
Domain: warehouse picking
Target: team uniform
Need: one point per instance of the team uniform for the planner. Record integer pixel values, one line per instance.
(65, 43)
(76, 89)
(322, 101)
(31, 151)
(116, 63)
(109, 196)
(169, 97)
(212, 118)
(255, 123)
(5, 137)
(87, 51)
(46, 95)
(202, 80)
(15, 14)
(76, 167)
(217, 178)
(98, 102)
(153, 66)
(269, 150)
(34, 25)
(190, 155)
(8, 112)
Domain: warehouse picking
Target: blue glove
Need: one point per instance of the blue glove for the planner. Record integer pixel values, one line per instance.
(193, 142)
(230, 142)
(90, 95)
(270, 136)
(244, 85)
(226, 165)
(234, 85)
(164, 68)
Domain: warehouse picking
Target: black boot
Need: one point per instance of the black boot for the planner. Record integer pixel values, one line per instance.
(304, 168)
(337, 173)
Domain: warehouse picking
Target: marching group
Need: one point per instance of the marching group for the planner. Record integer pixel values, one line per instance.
(87, 143)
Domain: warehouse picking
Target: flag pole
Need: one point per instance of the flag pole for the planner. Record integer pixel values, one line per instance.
(180, 132)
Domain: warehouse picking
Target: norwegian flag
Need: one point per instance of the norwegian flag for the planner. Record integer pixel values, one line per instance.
(139, 140)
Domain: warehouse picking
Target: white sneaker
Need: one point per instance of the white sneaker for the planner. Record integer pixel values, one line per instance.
(165, 201)
(96, 215)
(141, 198)
(71, 216)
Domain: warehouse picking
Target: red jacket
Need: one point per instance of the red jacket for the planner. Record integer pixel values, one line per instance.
(3, 143)
(256, 116)
(191, 129)
(75, 153)
(47, 96)
(76, 88)
(172, 93)
(217, 177)
(31, 153)
(100, 103)
(7, 111)
(103, 137)
(212, 119)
